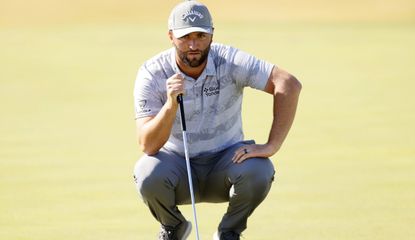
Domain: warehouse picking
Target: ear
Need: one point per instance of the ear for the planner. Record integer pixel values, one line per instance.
(170, 34)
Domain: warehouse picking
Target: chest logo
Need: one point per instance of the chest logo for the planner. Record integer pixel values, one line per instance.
(211, 91)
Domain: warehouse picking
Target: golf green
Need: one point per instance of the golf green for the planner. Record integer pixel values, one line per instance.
(68, 146)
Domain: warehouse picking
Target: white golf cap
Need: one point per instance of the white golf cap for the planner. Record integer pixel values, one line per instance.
(188, 17)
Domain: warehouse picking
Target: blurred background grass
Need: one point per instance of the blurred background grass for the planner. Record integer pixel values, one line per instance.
(67, 144)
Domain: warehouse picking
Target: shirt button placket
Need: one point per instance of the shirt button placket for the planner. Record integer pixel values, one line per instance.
(198, 99)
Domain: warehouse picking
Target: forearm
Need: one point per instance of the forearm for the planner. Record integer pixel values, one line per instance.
(286, 90)
(284, 112)
(286, 94)
(155, 133)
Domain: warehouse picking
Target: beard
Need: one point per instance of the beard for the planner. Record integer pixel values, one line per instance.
(193, 61)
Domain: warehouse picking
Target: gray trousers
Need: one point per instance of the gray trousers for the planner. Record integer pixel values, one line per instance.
(162, 183)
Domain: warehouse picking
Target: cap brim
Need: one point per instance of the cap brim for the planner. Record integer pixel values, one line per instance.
(178, 33)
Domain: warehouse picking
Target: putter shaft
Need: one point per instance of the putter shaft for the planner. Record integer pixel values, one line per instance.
(186, 154)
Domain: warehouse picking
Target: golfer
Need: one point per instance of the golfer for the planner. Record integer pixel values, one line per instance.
(225, 167)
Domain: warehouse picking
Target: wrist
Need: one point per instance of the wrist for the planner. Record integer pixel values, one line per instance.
(272, 147)
(172, 103)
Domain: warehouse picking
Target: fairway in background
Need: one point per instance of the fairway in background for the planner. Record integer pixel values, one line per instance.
(48, 12)
(67, 144)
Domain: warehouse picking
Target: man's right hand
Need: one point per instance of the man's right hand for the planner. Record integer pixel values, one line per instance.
(174, 86)
(154, 131)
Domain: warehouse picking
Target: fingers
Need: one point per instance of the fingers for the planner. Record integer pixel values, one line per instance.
(251, 151)
(175, 86)
(242, 153)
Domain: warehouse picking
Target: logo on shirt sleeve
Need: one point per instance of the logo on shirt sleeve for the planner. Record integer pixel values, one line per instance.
(142, 107)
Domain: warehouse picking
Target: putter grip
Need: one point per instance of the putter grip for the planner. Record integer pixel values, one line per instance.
(182, 118)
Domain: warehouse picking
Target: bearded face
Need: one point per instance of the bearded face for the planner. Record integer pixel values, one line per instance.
(192, 50)
(193, 58)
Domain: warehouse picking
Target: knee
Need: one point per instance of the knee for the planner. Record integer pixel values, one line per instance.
(256, 180)
(147, 184)
(150, 181)
(258, 185)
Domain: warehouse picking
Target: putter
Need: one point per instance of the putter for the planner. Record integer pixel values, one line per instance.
(186, 154)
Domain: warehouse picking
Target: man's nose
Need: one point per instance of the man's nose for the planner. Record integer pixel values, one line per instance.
(192, 44)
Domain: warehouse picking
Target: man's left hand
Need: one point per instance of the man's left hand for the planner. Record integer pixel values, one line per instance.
(251, 151)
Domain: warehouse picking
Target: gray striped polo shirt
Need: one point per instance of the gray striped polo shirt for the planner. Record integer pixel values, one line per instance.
(212, 102)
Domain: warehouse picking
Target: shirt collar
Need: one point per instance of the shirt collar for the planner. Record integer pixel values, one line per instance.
(210, 66)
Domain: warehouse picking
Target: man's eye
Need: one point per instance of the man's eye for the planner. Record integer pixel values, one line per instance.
(185, 37)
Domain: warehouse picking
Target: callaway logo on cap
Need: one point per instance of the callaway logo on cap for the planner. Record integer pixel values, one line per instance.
(188, 17)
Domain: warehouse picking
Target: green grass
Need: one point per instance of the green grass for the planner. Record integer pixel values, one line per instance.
(67, 144)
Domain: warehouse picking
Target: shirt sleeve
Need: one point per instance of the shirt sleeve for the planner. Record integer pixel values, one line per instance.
(147, 101)
(250, 71)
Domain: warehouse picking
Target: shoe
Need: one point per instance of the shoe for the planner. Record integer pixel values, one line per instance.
(226, 236)
(180, 232)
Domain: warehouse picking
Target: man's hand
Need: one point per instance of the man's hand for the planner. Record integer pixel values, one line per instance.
(174, 86)
(251, 151)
